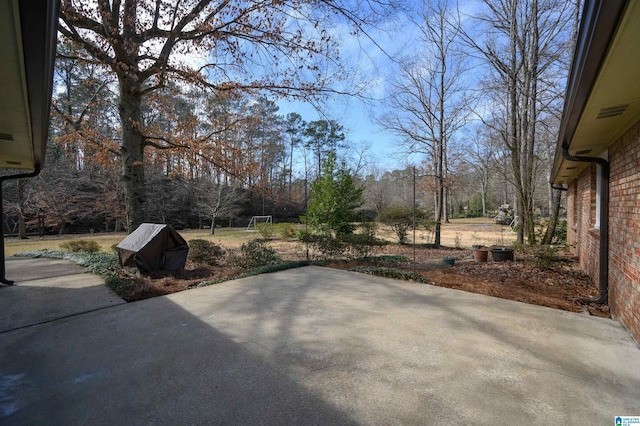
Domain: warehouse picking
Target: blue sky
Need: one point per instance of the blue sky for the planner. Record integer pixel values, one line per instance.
(373, 64)
(360, 128)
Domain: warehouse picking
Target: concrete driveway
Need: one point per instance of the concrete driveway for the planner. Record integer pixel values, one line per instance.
(319, 346)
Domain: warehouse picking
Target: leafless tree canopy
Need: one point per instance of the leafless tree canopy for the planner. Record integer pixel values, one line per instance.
(285, 47)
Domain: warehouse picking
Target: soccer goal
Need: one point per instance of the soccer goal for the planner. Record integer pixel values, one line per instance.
(256, 220)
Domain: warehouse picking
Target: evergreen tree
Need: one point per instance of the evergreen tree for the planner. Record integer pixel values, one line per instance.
(335, 196)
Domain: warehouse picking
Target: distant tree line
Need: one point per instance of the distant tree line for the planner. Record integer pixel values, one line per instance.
(251, 164)
(484, 91)
(138, 133)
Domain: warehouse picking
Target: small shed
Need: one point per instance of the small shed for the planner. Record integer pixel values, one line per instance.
(153, 247)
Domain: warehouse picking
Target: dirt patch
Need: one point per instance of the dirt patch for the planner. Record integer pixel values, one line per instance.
(518, 281)
(560, 287)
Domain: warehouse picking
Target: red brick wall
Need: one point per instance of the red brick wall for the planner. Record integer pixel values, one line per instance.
(572, 214)
(624, 228)
(582, 196)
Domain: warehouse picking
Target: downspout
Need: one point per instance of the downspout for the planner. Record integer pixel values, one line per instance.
(3, 267)
(603, 258)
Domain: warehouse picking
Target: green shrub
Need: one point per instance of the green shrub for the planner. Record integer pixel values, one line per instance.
(400, 219)
(256, 253)
(370, 229)
(286, 230)
(561, 232)
(335, 197)
(265, 230)
(80, 245)
(304, 235)
(328, 246)
(204, 252)
(547, 258)
(361, 245)
(390, 273)
(349, 245)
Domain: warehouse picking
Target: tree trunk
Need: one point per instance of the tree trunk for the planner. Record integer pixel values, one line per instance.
(484, 197)
(440, 207)
(532, 91)
(22, 228)
(446, 213)
(513, 140)
(290, 169)
(132, 149)
(556, 197)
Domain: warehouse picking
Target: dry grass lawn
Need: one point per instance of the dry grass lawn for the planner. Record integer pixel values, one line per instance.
(465, 232)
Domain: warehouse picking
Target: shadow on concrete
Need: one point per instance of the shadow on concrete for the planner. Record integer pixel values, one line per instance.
(149, 362)
(319, 346)
(50, 289)
(22, 269)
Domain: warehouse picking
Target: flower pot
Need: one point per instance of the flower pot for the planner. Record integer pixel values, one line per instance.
(480, 255)
(501, 254)
(449, 261)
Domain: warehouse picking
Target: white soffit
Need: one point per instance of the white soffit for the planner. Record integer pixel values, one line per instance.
(16, 140)
(614, 104)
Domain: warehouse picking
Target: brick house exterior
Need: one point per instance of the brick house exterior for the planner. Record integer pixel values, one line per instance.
(624, 227)
(581, 220)
(598, 155)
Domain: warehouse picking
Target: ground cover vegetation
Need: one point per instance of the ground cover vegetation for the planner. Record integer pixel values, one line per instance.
(168, 112)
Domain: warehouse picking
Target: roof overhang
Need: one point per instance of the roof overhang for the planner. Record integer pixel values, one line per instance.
(27, 48)
(603, 92)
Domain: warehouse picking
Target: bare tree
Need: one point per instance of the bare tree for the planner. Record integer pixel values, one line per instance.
(215, 200)
(378, 191)
(555, 195)
(521, 42)
(480, 154)
(19, 205)
(281, 46)
(428, 103)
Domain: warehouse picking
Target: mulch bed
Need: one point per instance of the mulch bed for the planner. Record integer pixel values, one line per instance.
(561, 286)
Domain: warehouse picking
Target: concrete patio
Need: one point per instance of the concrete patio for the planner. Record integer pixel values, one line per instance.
(304, 346)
